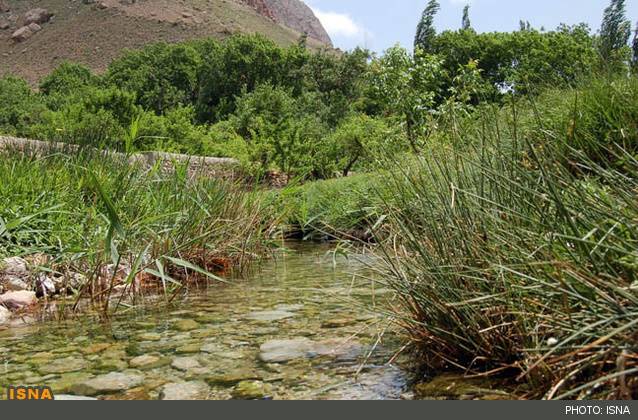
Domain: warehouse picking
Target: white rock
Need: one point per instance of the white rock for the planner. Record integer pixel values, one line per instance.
(185, 391)
(5, 314)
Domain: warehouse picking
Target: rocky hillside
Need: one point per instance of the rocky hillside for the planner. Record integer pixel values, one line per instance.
(37, 35)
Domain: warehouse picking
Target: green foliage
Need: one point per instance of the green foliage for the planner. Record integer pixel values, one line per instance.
(407, 86)
(20, 107)
(525, 59)
(162, 76)
(358, 141)
(634, 50)
(239, 65)
(614, 33)
(425, 30)
(67, 79)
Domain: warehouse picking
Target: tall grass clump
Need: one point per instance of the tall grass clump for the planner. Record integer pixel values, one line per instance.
(121, 224)
(515, 249)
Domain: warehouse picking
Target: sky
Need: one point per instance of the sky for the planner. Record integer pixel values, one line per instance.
(380, 24)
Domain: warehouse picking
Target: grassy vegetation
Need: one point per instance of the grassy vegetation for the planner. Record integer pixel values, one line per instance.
(513, 250)
(89, 212)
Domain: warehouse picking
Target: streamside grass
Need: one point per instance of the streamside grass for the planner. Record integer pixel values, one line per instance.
(121, 225)
(514, 252)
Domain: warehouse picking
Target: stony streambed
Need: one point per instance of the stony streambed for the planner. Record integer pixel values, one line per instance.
(301, 327)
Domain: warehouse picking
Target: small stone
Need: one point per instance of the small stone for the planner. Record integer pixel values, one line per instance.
(109, 383)
(188, 349)
(185, 391)
(148, 361)
(232, 377)
(149, 337)
(251, 390)
(186, 325)
(185, 363)
(22, 34)
(269, 316)
(95, 348)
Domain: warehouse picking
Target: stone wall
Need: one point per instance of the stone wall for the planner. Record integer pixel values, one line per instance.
(197, 165)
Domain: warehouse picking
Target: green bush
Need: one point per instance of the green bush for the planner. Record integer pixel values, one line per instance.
(20, 107)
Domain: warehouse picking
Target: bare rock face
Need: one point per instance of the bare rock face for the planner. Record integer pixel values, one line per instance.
(294, 14)
(38, 16)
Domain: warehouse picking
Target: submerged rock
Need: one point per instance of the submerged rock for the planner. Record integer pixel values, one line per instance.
(148, 361)
(251, 390)
(186, 325)
(232, 377)
(456, 387)
(268, 316)
(65, 365)
(185, 391)
(109, 383)
(281, 351)
(185, 363)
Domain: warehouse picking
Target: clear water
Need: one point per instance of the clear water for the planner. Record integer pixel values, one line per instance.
(305, 295)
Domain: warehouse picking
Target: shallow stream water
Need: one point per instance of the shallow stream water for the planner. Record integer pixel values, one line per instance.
(306, 325)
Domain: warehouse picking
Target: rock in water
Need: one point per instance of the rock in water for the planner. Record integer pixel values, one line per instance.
(185, 363)
(251, 390)
(185, 391)
(18, 300)
(281, 351)
(186, 325)
(68, 364)
(4, 315)
(109, 383)
(268, 316)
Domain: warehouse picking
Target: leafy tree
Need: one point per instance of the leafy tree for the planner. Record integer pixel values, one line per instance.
(356, 140)
(20, 107)
(67, 79)
(162, 76)
(614, 32)
(466, 24)
(408, 87)
(425, 31)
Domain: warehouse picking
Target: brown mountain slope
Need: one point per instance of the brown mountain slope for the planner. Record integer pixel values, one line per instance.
(95, 33)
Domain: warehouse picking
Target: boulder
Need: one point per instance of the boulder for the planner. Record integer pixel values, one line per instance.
(185, 391)
(4, 7)
(37, 15)
(22, 34)
(4, 25)
(18, 300)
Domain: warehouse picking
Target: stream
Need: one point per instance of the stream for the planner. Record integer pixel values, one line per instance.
(305, 325)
